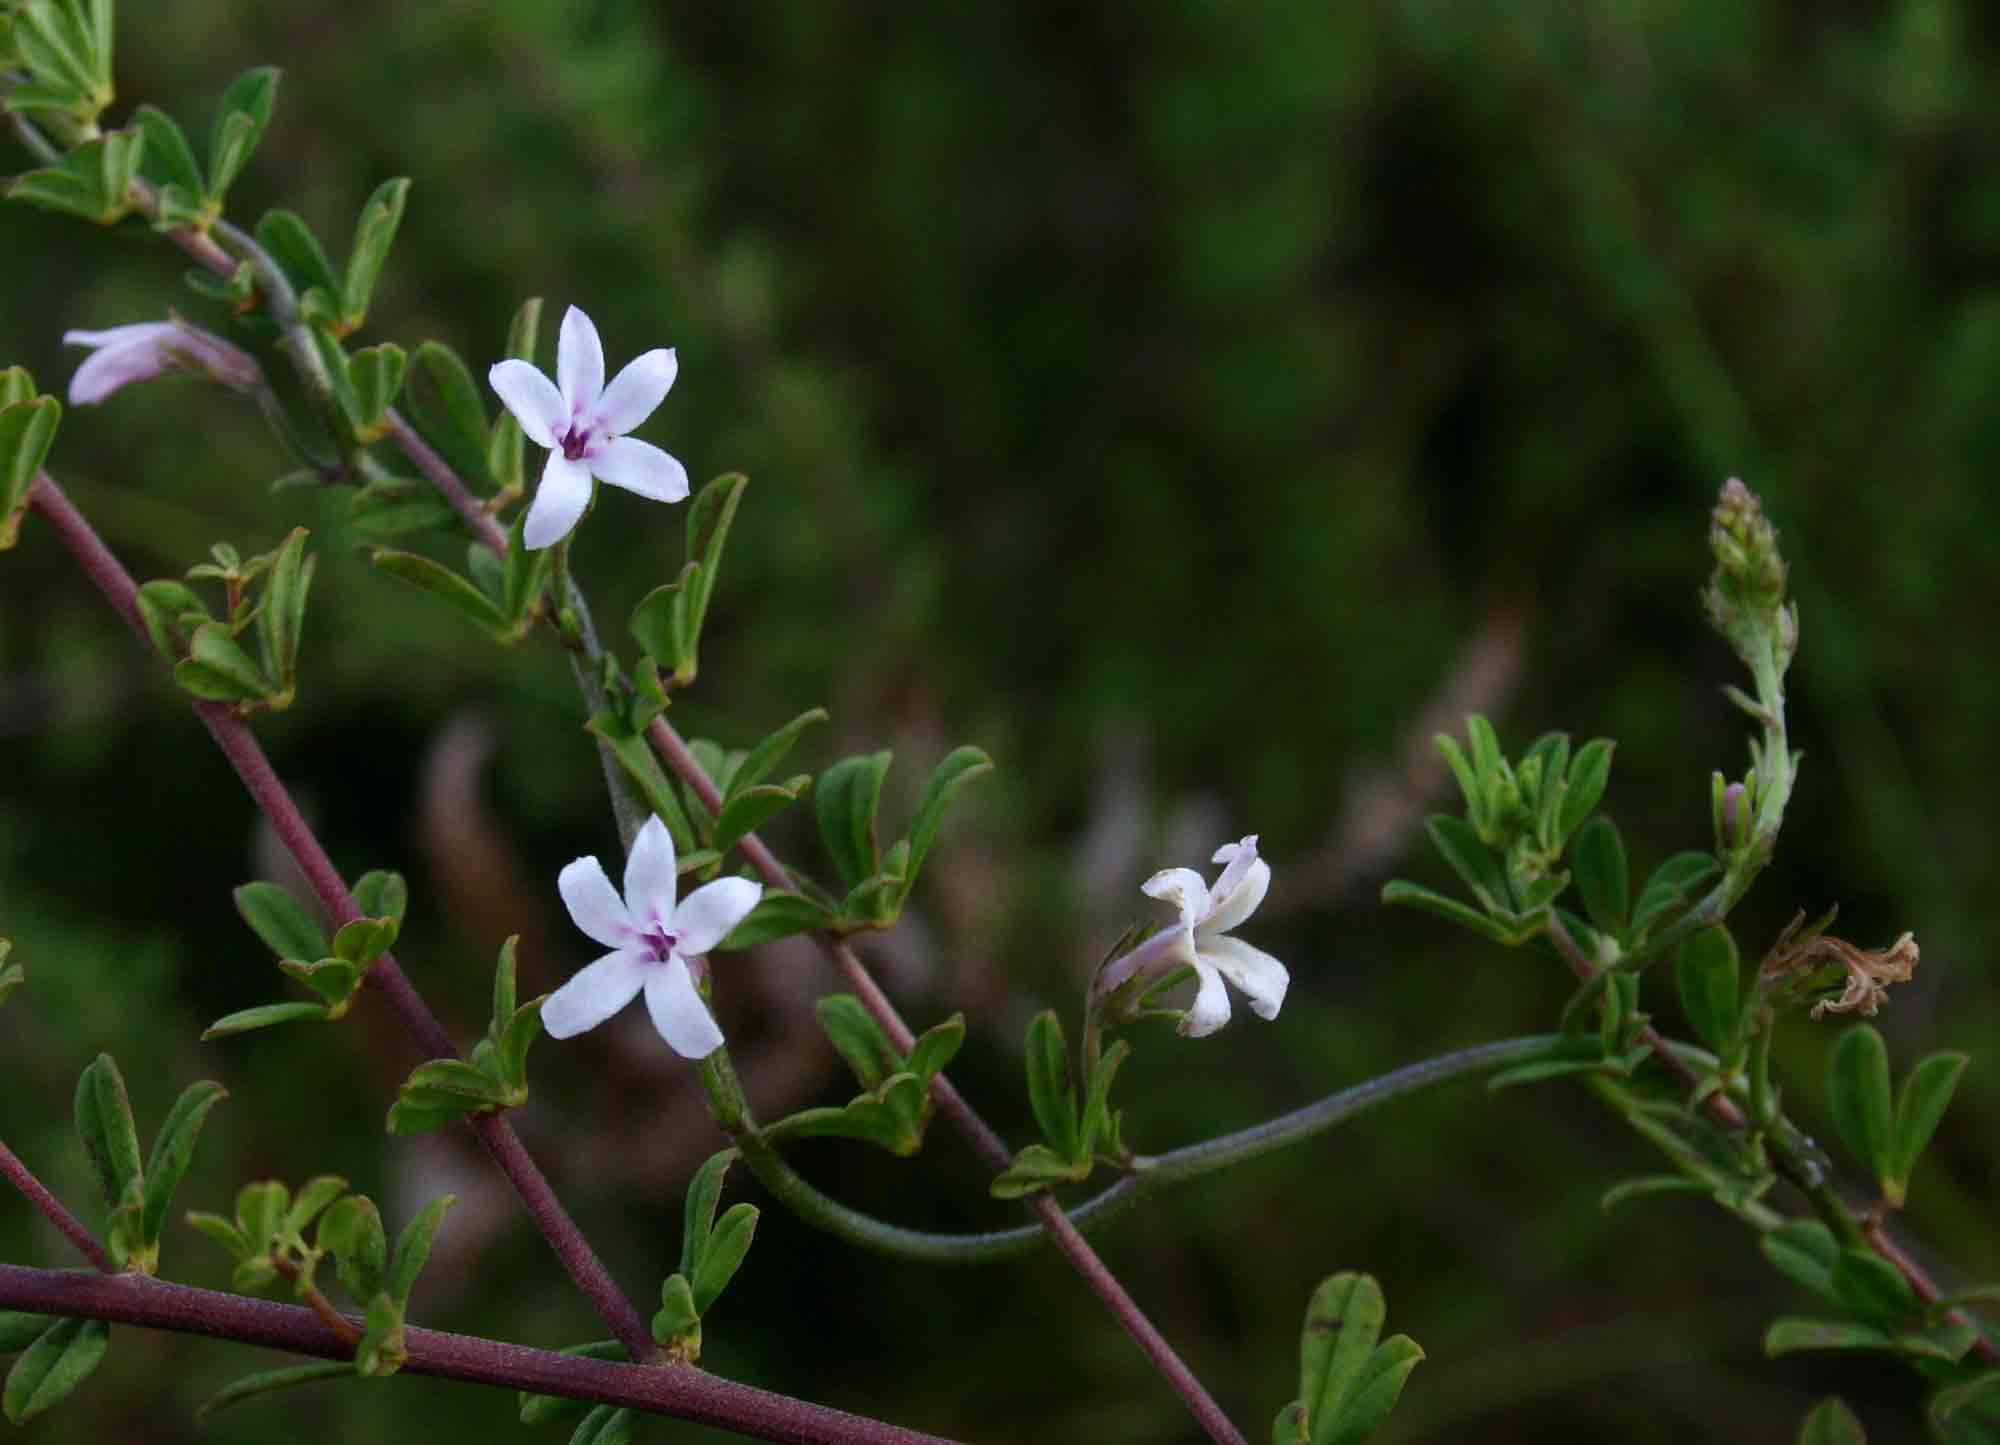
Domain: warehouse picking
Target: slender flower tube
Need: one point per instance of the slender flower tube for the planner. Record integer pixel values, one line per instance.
(127, 354)
(584, 423)
(651, 938)
(1207, 917)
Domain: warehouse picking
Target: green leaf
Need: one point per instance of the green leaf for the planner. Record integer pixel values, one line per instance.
(936, 1047)
(442, 1090)
(1471, 860)
(262, 1017)
(846, 799)
(1469, 783)
(677, 1320)
(1035, 1168)
(443, 583)
(698, 1209)
(1051, 1091)
(636, 756)
(1705, 972)
(53, 1366)
(383, 1349)
(223, 1231)
(1348, 1383)
(525, 575)
(959, 767)
(1980, 1394)
(1398, 891)
(260, 1212)
(374, 233)
(1804, 1251)
(18, 1330)
(1598, 857)
(299, 254)
(777, 915)
(168, 159)
(766, 756)
(60, 52)
(1589, 771)
(857, 1038)
(1544, 1069)
(281, 618)
(604, 1425)
(1925, 1095)
(382, 894)
(239, 126)
(1874, 1288)
(93, 181)
(1786, 1336)
(723, 1255)
(1831, 1423)
(280, 921)
(351, 1229)
(171, 611)
(265, 1382)
(748, 809)
(1651, 1184)
(1673, 885)
(313, 1197)
(104, 1125)
(1857, 1086)
(27, 431)
(448, 410)
(361, 941)
(376, 375)
(1948, 1341)
(659, 623)
(173, 1150)
(12, 975)
(503, 448)
(396, 507)
(1099, 1123)
(709, 517)
(217, 670)
(413, 1247)
(891, 1116)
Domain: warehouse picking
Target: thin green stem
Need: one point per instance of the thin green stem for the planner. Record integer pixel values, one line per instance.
(1150, 1174)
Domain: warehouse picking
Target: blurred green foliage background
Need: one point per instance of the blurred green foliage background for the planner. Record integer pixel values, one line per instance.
(1196, 406)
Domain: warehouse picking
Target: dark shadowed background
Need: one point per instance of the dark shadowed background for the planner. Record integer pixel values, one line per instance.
(1196, 406)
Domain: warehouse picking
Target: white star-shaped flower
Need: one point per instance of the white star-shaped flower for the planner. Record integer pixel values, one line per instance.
(584, 423)
(651, 939)
(1207, 916)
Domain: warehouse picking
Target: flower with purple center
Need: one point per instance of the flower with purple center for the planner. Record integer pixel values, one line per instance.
(651, 938)
(1207, 915)
(584, 423)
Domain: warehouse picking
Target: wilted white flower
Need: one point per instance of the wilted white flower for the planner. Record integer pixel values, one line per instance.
(1207, 916)
(140, 352)
(584, 423)
(651, 939)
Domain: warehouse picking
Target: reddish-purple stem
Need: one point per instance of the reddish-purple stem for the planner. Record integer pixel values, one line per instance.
(1926, 1288)
(234, 737)
(23, 1178)
(681, 1391)
(985, 1142)
(437, 471)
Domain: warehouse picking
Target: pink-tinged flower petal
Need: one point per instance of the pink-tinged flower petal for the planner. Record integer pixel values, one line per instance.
(138, 353)
(1210, 1009)
(1182, 887)
(533, 399)
(678, 1012)
(712, 910)
(597, 992)
(138, 331)
(1261, 977)
(579, 363)
(1229, 906)
(559, 502)
(639, 467)
(594, 905)
(636, 391)
(1236, 859)
(649, 876)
